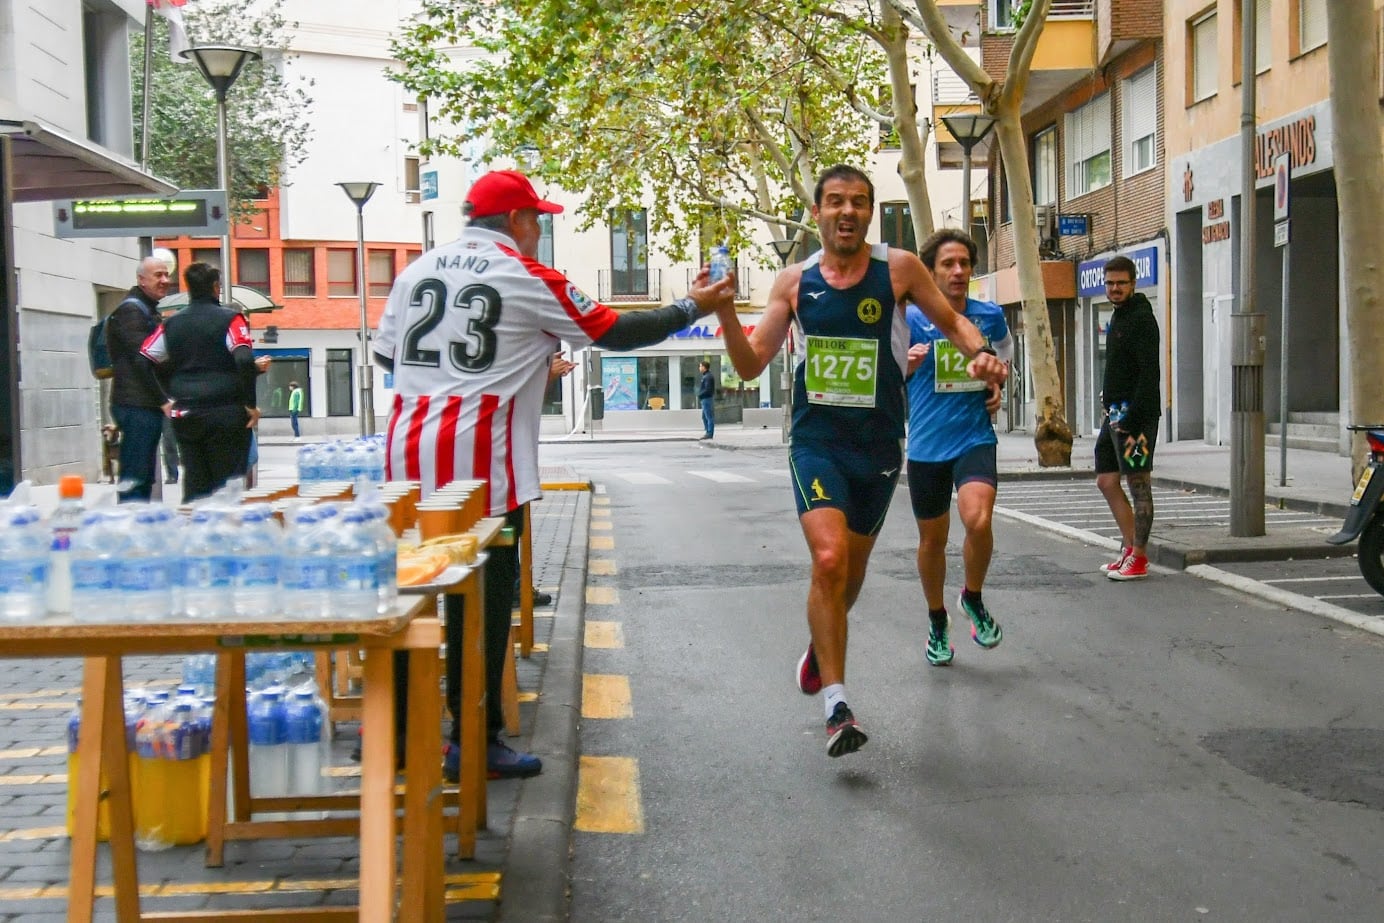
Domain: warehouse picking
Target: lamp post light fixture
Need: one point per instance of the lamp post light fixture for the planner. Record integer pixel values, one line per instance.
(968, 130)
(221, 65)
(360, 193)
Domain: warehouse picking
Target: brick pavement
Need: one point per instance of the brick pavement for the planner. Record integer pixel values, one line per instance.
(37, 696)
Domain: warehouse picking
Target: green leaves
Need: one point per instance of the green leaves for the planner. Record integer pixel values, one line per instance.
(266, 111)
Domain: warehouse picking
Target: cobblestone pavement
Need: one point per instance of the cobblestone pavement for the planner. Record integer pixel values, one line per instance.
(36, 698)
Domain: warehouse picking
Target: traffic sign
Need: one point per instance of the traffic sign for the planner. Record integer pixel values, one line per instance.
(199, 212)
(1280, 233)
(1282, 185)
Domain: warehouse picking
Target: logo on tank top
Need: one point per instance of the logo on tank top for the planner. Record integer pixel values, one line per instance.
(869, 311)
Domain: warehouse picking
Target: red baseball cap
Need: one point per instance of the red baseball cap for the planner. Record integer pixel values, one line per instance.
(503, 191)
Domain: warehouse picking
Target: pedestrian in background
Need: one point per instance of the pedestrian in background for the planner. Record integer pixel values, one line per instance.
(951, 444)
(1129, 432)
(469, 332)
(137, 398)
(295, 406)
(204, 358)
(706, 393)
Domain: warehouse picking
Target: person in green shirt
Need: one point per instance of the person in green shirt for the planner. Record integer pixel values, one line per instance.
(295, 406)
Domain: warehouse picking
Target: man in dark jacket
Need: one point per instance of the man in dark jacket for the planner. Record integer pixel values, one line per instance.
(706, 393)
(1132, 408)
(205, 359)
(136, 397)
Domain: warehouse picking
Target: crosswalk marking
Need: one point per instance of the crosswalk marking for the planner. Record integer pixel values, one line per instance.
(722, 477)
(641, 477)
(604, 635)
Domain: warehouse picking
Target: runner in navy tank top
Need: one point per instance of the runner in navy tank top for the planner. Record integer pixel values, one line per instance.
(850, 346)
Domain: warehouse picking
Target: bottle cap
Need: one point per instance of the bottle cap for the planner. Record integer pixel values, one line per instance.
(70, 487)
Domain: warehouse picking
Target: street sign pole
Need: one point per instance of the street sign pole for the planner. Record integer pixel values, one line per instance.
(1283, 175)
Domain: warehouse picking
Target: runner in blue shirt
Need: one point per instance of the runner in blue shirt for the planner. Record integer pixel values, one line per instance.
(951, 443)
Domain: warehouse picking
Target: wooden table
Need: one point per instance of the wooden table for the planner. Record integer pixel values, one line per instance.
(101, 749)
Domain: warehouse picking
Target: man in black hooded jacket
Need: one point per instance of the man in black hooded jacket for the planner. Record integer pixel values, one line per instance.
(1132, 408)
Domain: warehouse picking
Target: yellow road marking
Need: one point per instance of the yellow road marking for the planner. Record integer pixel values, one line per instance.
(32, 833)
(528, 697)
(36, 706)
(565, 485)
(601, 567)
(602, 525)
(606, 696)
(608, 795)
(25, 752)
(42, 694)
(604, 635)
(462, 886)
(540, 647)
(601, 512)
(602, 596)
(601, 542)
(55, 778)
(600, 501)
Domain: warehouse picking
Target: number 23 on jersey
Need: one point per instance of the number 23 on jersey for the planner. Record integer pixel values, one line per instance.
(469, 327)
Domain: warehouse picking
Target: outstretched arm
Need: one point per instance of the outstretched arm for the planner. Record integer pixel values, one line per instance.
(752, 354)
(912, 280)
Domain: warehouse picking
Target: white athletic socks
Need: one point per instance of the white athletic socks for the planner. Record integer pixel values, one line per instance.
(832, 694)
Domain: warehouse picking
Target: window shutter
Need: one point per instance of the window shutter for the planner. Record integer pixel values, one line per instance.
(1141, 112)
(1311, 24)
(1204, 60)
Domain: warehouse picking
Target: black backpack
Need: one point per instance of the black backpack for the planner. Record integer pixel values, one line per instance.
(98, 356)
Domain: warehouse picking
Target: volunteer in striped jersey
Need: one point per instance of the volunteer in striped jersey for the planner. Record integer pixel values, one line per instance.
(850, 351)
(469, 331)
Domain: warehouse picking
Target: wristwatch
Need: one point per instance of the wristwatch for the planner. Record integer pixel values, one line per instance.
(987, 349)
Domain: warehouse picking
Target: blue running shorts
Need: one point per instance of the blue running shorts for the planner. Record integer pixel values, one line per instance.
(859, 480)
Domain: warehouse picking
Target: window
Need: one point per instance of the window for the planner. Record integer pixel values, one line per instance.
(379, 272)
(271, 388)
(210, 257)
(252, 269)
(552, 397)
(298, 276)
(411, 255)
(1044, 147)
(1001, 15)
(340, 401)
(428, 231)
(653, 382)
(1141, 121)
(103, 58)
(341, 272)
(629, 260)
(545, 239)
(896, 226)
(1088, 146)
(1263, 38)
(412, 183)
(1201, 39)
(1310, 23)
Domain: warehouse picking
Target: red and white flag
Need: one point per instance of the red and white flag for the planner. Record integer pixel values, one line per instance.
(172, 10)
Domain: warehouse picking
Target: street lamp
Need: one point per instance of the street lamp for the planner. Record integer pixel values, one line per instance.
(360, 193)
(221, 65)
(968, 130)
(785, 250)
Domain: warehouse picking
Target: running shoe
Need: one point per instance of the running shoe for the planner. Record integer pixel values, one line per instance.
(809, 679)
(843, 734)
(501, 762)
(1134, 567)
(939, 651)
(1125, 552)
(985, 631)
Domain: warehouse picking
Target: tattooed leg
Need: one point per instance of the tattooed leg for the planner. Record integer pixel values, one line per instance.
(1141, 490)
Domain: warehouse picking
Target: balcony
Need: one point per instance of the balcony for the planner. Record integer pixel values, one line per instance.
(1065, 53)
(742, 280)
(629, 286)
(952, 96)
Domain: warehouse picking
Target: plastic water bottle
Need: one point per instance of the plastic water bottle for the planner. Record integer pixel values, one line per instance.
(24, 549)
(303, 732)
(720, 262)
(63, 524)
(306, 566)
(96, 550)
(329, 462)
(257, 548)
(169, 527)
(145, 585)
(268, 750)
(307, 463)
(386, 559)
(355, 588)
(199, 672)
(377, 459)
(208, 567)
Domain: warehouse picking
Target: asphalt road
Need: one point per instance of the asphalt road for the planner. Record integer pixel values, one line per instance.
(1161, 750)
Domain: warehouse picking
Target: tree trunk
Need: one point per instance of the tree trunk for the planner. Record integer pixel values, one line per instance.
(1051, 434)
(912, 137)
(1351, 59)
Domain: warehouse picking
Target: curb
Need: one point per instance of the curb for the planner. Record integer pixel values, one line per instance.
(1286, 599)
(536, 873)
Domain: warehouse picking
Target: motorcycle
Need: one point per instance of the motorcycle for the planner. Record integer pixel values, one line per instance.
(1365, 518)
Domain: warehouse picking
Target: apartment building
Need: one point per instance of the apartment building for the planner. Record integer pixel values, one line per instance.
(1093, 120)
(65, 132)
(1202, 87)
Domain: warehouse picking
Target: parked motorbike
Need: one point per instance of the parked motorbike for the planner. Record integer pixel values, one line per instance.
(1365, 519)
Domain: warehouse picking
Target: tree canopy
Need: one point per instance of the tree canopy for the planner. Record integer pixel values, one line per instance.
(266, 111)
(711, 116)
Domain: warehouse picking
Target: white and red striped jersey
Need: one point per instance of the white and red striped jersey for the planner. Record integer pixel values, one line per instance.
(471, 326)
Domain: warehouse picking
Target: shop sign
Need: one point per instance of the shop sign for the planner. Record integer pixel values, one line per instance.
(1215, 226)
(1090, 275)
(1298, 138)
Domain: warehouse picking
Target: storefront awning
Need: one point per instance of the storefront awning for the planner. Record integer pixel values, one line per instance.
(51, 165)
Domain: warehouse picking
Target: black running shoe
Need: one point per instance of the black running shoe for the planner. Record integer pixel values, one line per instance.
(843, 734)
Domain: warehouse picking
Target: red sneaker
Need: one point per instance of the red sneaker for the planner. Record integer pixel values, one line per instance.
(1125, 551)
(1134, 567)
(809, 680)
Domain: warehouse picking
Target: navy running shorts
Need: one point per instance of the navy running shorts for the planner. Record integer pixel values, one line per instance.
(1136, 450)
(930, 483)
(859, 480)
